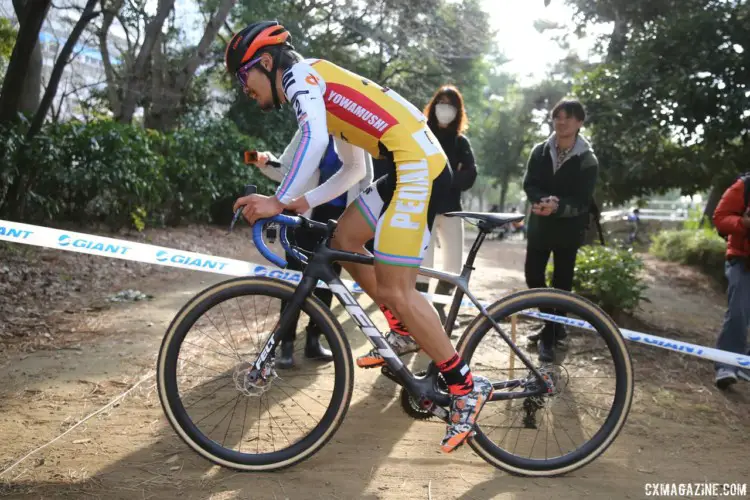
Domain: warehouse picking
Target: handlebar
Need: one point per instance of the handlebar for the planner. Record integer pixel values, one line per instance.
(285, 221)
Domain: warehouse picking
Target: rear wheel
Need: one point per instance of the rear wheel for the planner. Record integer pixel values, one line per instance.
(518, 435)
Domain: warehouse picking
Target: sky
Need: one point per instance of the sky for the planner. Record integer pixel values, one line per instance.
(530, 51)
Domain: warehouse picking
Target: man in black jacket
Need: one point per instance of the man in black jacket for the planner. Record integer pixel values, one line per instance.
(560, 178)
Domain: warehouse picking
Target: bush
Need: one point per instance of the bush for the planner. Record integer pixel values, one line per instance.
(609, 277)
(125, 175)
(702, 248)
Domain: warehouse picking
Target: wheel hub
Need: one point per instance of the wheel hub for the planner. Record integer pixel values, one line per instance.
(253, 382)
(555, 380)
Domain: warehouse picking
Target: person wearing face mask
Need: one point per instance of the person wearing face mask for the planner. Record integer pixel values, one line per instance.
(447, 119)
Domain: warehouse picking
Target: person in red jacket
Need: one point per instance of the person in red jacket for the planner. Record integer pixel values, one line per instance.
(732, 218)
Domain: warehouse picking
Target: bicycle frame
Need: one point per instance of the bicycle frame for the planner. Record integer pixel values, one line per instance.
(423, 389)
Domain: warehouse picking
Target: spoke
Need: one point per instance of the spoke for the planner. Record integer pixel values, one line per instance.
(583, 428)
(302, 391)
(244, 319)
(217, 409)
(288, 415)
(242, 433)
(214, 340)
(257, 330)
(295, 402)
(270, 424)
(210, 350)
(257, 449)
(229, 329)
(231, 344)
(555, 436)
(204, 367)
(567, 434)
(209, 394)
(234, 408)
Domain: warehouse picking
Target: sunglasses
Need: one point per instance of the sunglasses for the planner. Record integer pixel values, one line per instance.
(241, 73)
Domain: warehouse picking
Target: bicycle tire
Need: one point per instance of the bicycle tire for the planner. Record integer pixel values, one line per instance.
(605, 326)
(176, 414)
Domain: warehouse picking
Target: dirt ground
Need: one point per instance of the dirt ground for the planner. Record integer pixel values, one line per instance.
(67, 352)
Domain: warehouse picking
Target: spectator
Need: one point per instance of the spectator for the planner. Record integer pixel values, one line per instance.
(446, 117)
(560, 178)
(635, 225)
(307, 240)
(732, 218)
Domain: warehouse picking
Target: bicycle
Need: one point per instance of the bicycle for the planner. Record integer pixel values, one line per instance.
(423, 394)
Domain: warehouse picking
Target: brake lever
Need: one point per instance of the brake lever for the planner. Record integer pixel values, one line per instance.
(249, 189)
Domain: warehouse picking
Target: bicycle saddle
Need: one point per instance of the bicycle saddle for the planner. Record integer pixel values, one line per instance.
(490, 218)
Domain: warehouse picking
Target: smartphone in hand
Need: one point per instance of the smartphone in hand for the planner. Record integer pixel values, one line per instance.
(251, 157)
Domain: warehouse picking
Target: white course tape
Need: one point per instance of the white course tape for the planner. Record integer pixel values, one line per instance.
(163, 256)
(708, 353)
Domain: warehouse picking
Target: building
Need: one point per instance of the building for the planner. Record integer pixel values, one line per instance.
(85, 72)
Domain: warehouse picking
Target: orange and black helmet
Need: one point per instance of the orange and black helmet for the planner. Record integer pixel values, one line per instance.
(244, 45)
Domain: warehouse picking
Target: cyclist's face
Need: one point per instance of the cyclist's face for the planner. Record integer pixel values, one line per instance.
(255, 83)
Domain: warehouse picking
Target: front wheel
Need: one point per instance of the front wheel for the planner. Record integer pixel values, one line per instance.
(589, 386)
(217, 404)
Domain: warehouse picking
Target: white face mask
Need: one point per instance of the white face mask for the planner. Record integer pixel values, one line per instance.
(445, 113)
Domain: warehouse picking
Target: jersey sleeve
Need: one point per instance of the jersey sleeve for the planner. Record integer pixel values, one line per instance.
(302, 88)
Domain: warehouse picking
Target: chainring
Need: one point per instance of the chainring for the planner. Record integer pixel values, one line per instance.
(411, 407)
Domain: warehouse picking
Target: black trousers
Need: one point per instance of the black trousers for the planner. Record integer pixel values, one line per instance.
(308, 240)
(564, 261)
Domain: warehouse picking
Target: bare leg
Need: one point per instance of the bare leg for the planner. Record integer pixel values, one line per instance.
(393, 286)
(352, 232)
(396, 290)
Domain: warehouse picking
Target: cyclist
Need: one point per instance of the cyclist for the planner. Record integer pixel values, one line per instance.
(398, 209)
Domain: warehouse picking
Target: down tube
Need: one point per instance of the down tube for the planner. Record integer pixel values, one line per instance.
(365, 324)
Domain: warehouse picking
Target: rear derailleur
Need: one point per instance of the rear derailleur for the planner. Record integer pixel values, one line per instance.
(532, 404)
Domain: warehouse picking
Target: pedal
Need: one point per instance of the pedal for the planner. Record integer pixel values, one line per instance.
(370, 367)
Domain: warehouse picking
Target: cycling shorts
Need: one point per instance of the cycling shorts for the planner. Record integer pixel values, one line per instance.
(400, 208)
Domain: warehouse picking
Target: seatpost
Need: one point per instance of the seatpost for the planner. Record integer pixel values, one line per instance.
(475, 248)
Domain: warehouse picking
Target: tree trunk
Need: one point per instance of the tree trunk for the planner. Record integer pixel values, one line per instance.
(617, 40)
(31, 19)
(33, 84)
(62, 60)
(504, 182)
(134, 87)
(166, 110)
(110, 11)
(32, 87)
(160, 76)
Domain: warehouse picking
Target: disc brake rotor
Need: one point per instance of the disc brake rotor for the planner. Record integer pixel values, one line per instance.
(252, 382)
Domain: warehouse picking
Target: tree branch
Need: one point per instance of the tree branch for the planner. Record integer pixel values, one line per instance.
(60, 64)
